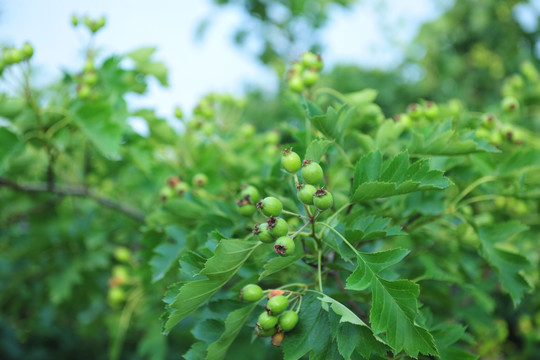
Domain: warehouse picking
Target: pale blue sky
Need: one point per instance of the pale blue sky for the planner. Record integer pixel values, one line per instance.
(352, 36)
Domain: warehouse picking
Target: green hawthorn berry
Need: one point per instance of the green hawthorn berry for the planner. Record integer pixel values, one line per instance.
(284, 246)
(431, 110)
(27, 50)
(272, 137)
(270, 206)
(247, 131)
(90, 78)
(178, 112)
(246, 209)
(309, 59)
(305, 193)
(510, 104)
(89, 66)
(530, 72)
(252, 192)
(251, 293)
(74, 20)
(488, 121)
(312, 172)
(322, 199)
(181, 188)
(100, 22)
(263, 233)
(297, 67)
(404, 119)
(267, 321)
(277, 338)
(278, 227)
(122, 254)
(200, 180)
(296, 84)
(291, 161)
(415, 111)
(310, 77)
(288, 320)
(276, 305)
(264, 333)
(116, 296)
(166, 193)
(121, 273)
(84, 91)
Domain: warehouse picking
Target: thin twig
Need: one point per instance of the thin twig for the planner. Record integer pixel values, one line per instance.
(80, 191)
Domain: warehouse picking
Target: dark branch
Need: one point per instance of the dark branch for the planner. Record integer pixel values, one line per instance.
(80, 191)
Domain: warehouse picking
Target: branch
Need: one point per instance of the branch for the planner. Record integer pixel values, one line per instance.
(66, 190)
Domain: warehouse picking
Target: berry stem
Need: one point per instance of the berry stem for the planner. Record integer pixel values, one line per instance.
(294, 214)
(319, 273)
(341, 237)
(300, 230)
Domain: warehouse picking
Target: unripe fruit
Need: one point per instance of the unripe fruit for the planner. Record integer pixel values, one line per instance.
(74, 20)
(305, 193)
(181, 188)
(309, 59)
(291, 161)
(284, 246)
(488, 121)
(297, 67)
(312, 172)
(178, 112)
(310, 77)
(263, 233)
(116, 296)
(89, 66)
(27, 50)
(200, 180)
(247, 131)
(277, 304)
(278, 227)
(173, 180)
(288, 320)
(296, 83)
(404, 119)
(84, 91)
(121, 273)
(267, 321)
(510, 104)
(90, 78)
(122, 254)
(270, 206)
(323, 199)
(431, 110)
(246, 209)
(166, 193)
(251, 293)
(252, 192)
(264, 333)
(100, 22)
(415, 111)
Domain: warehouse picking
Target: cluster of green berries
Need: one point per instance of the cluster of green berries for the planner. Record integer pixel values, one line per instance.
(11, 55)
(93, 25)
(276, 319)
(496, 132)
(176, 187)
(88, 79)
(275, 229)
(312, 175)
(304, 73)
(416, 112)
(120, 277)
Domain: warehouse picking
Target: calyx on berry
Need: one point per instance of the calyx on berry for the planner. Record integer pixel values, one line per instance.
(277, 227)
(323, 199)
(263, 233)
(291, 161)
(270, 206)
(305, 193)
(312, 172)
(284, 246)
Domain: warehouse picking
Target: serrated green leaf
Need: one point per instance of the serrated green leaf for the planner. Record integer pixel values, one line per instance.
(279, 263)
(228, 257)
(316, 149)
(345, 314)
(446, 335)
(233, 324)
(441, 139)
(208, 330)
(393, 311)
(196, 351)
(394, 307)
(328, 123)
(374, 179)
(167, 252)
(94, 120)
(371, 264)
(508, 264)
(370, 227)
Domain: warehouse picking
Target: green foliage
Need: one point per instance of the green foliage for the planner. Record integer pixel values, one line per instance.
(428, 248)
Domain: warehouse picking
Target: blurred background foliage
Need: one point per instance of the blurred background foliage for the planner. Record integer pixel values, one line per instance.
(52, 290)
